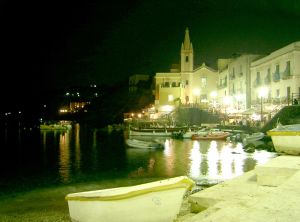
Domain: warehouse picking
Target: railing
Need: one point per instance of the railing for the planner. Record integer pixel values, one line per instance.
(267, 80)
(276, 76)
(295, 98)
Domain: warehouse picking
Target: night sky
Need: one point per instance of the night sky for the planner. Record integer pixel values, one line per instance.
(54, 44)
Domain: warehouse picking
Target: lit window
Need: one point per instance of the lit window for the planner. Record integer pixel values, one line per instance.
(170, 98)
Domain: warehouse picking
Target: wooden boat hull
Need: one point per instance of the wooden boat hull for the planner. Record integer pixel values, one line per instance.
(158, 201)
(214, 136)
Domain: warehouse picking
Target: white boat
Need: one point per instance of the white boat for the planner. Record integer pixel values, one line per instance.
(286, 138)
(158, 201)
(188, 134)
(150, 132)
(159, 131)
(250, 138)
(144, 144)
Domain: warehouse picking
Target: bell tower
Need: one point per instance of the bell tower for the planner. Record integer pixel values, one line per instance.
(187, 54)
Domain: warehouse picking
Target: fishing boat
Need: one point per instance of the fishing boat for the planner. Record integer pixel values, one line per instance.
(286, 138)
(163, 131)
(135, 143)
(158, 201)
(212, 136)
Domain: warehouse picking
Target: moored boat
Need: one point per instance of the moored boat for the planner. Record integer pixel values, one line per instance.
(144, 144)
(188, 134)
(250, 138)
(59, 125)
(164, 131)
(158, 201)
(286, 138)
(212, 136)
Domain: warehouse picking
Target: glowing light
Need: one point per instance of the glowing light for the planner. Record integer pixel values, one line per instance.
(170, 98)
(167, 108)
(196, 91)
(213, 94)
(227, 100)
(263, 92)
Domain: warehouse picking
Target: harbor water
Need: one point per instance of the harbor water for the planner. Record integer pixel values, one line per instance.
(38, 163)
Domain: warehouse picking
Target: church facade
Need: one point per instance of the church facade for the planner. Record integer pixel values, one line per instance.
(185, 85)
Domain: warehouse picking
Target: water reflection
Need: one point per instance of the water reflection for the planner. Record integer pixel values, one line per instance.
(82, 155)
(201, 160)
(64, 157)
(76, 132)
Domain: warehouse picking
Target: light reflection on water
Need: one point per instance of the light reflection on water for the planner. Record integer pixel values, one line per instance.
(82, 155)
(200, 160)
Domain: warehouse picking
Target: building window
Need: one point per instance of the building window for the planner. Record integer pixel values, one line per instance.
(186, 82)
(170, 98)
(186, 58)
(257, 79)
(287, 72)
(268, 77)
(241, 70)
(277, 93)
(203, 81)
(276, 75)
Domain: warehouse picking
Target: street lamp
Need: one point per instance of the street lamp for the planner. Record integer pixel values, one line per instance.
(263, 93)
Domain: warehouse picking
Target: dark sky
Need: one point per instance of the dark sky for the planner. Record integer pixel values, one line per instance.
(46, 44)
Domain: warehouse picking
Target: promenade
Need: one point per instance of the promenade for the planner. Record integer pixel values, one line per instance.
(269, 193)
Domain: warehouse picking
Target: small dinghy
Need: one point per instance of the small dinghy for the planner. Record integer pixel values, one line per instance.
(144, 144)
(158, 201)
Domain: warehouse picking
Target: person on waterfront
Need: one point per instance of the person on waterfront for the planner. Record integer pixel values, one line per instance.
(295, 102)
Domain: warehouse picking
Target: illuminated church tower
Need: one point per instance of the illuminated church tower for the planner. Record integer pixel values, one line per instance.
(187, 54)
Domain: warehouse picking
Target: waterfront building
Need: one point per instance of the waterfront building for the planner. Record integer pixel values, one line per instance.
(239, 79)
(275, 78)
(184, 85)
(263, 83)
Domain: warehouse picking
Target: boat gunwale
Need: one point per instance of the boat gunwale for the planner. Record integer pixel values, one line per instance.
(283, 133)
(186, 183)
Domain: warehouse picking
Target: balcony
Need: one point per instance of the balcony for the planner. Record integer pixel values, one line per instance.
(267, 80)
(168, 85)
(276, 76)
(286, 74)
